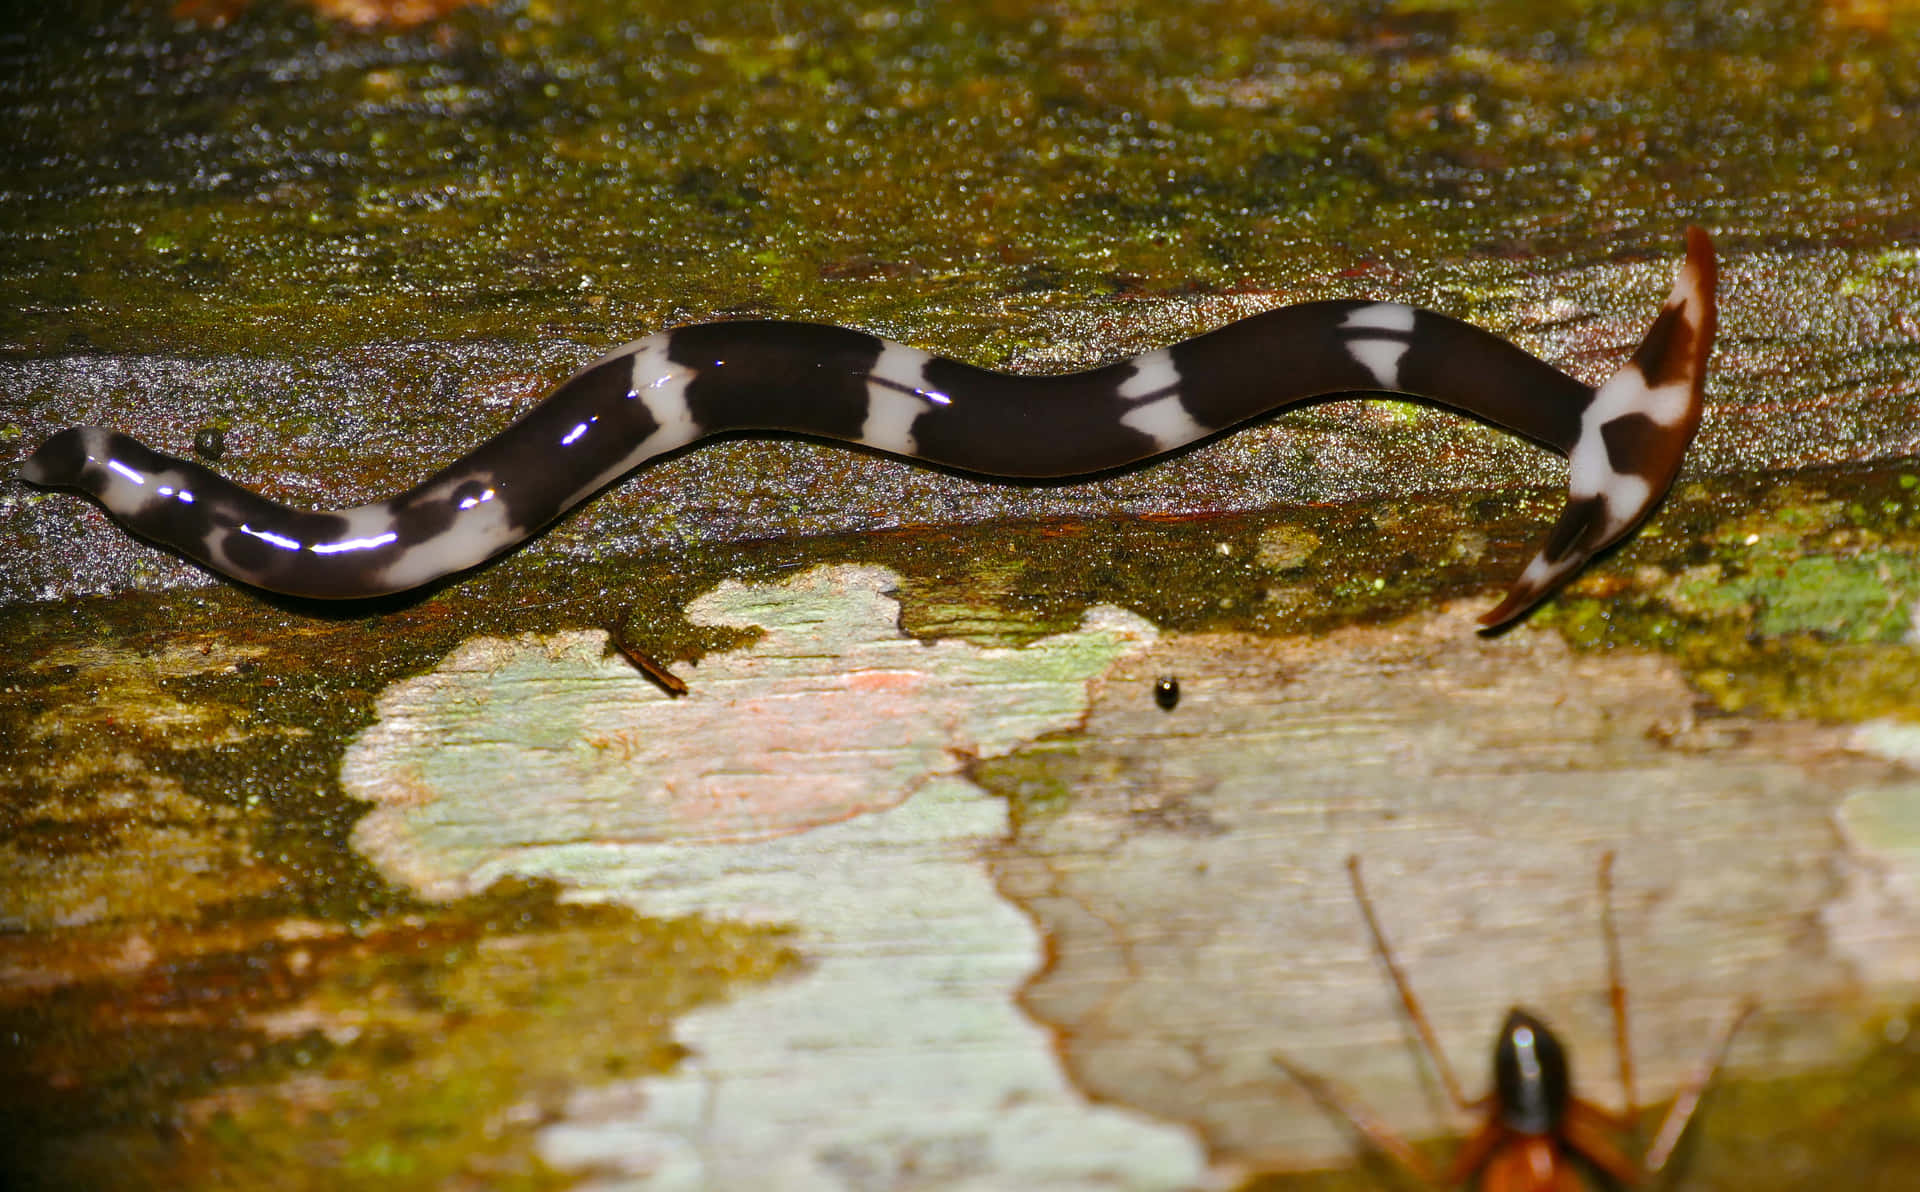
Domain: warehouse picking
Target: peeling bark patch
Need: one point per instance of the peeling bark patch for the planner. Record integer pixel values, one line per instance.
(899, 1055)
(1871, 923)
(899, 1059)
(833, 713)
(1881, 875)
(1190, 881)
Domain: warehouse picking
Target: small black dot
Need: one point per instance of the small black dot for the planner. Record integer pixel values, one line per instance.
(1166, 692)
(210, 442)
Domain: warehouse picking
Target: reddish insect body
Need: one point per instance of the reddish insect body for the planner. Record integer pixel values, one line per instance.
(1535, 1134)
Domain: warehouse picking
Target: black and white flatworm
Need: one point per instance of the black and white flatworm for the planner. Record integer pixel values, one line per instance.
(1624, 441)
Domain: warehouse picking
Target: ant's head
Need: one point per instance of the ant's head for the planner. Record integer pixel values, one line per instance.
(1531, 1085)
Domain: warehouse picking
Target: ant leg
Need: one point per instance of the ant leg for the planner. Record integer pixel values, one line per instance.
(1688, 1098)
(1337, 1101)
(1407, 1000)
(1592, 1133)
(1617, 989)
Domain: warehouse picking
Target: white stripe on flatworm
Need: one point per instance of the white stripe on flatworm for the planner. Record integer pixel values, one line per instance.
(660, 385)
(1377, 354)
(1380, 316)
(900, 367)
(897, 394)
(1381, 357)
(1165, 421)
(1153, 374)
(1590, 471)
(472, 536)
(890, 419)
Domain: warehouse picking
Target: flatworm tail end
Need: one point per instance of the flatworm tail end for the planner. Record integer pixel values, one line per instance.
(1633, 435)
(42, 467)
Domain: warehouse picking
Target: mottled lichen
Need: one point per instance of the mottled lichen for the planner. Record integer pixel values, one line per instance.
(1792, 598)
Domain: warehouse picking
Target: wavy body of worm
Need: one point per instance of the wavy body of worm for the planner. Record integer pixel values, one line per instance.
(1624, 440)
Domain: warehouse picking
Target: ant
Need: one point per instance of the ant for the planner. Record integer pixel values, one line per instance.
(1536, 1135)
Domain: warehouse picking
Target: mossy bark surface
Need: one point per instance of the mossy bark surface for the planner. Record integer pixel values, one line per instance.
(356, 249)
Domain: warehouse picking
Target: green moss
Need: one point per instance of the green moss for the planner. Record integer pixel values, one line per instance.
(1864, 597)
(412, 184)
(1784, 599)
(1853, 1127)
(416, 1050)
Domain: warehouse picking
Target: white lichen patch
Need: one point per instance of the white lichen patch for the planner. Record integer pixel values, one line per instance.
(807, 780)
(550, 742)
(1892, 739)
